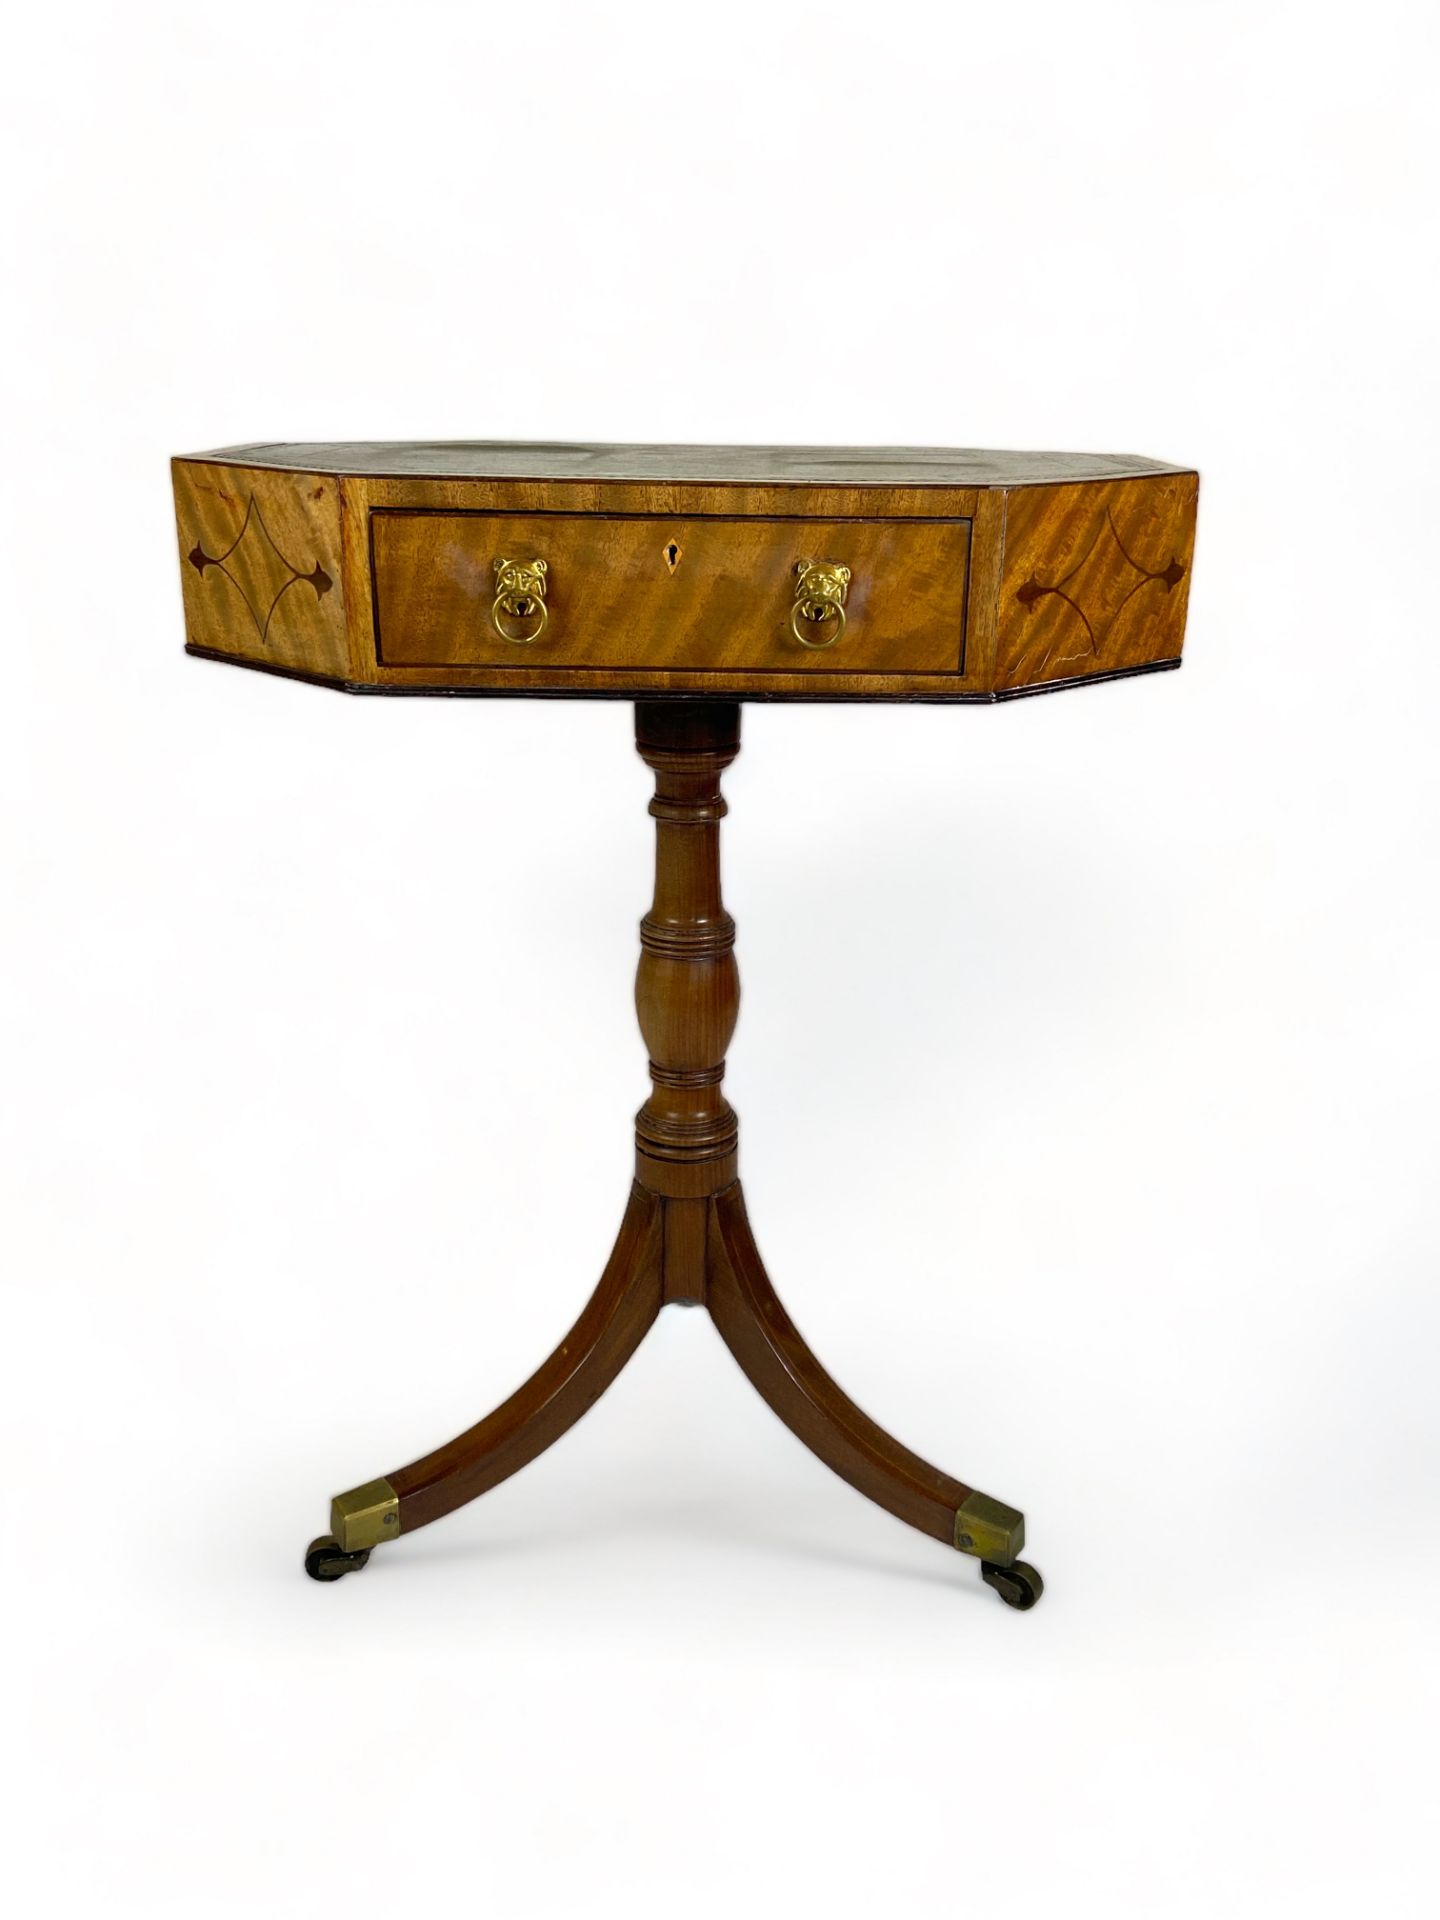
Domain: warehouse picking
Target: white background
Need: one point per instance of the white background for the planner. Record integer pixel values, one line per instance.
(1088, 1055)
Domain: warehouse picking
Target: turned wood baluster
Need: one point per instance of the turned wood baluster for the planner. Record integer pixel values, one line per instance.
(687, 989)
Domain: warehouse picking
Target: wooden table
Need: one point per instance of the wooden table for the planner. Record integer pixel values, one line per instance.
(687, 579)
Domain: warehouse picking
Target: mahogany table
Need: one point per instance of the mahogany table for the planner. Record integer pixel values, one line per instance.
(688, 579)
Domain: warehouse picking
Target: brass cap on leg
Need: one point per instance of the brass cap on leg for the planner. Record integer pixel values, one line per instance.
(367, 1516)
(989, 1529)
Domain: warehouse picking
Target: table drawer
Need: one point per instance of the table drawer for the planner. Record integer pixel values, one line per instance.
(706, 593)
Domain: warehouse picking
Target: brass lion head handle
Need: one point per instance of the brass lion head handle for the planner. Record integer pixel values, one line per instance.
(519, 612)
(817, 618)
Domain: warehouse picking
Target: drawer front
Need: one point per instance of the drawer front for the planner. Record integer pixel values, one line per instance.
(708, 594)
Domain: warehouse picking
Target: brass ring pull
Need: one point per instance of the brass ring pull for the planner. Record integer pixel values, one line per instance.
(819, 603)
(520, 596)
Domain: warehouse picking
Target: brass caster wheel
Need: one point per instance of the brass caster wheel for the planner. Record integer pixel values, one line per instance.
(325, 1560)
(1018, 1585)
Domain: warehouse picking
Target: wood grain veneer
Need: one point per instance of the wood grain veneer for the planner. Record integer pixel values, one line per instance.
(975, 575)
(651, 592)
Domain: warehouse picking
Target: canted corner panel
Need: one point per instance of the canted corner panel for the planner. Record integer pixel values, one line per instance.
(261, 565)
(1096, 578)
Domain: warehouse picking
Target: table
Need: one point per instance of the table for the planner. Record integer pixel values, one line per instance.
(689, 580)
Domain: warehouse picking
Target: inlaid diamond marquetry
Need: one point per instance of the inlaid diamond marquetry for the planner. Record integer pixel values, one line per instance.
(1097, 589)
(258, 571)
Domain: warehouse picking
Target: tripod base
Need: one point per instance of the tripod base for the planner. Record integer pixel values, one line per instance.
(701, 1252)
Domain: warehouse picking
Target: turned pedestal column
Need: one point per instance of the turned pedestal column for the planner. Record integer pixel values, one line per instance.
(687, 987)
